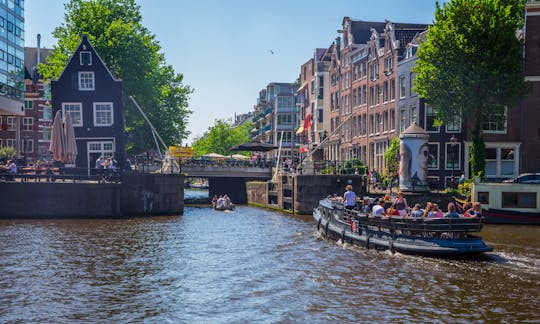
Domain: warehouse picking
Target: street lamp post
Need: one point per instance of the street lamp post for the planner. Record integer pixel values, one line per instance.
(453, 142)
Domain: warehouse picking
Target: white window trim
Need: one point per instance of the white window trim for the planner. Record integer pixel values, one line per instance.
(28, 124)
(30, 141)
(438, 155)
(453, 131)
(499, 131)
(457, 153)
(81, 110)
(11, 126)
(81, 55)
(95, 117)
(93, 81)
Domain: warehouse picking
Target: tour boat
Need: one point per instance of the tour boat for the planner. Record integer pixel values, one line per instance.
(507, 202)
(436, 237)
(224, 208)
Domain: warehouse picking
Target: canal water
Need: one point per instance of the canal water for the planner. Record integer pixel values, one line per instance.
(251, 265)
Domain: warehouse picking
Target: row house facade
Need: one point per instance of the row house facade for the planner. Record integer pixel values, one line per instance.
(276, 119)
(92, 96)
(363, 87)
(311, 100)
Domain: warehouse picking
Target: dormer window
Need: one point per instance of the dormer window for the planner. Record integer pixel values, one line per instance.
(86, 81)
(86, 58)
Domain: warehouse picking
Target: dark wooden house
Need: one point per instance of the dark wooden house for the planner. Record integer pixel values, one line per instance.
(89, 92)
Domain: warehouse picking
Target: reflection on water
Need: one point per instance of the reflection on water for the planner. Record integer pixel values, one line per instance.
(250, 265)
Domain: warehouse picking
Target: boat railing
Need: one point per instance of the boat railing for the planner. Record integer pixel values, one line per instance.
(409, 224)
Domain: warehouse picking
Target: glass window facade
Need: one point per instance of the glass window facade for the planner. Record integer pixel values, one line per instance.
(12, 49)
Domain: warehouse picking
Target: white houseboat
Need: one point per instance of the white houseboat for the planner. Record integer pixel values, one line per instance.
(508, 203)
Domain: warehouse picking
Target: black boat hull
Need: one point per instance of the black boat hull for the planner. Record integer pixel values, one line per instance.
(500, 216)
(329, 224)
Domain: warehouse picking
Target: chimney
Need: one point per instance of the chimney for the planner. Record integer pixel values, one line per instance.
(38, 48)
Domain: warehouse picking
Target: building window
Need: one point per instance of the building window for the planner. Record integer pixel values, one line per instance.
(494, 123)
(95, 149)
(287, 137)
(403, 120)
(414, 115)
(500, 162)
(371, 96)
(47, 133)
(11, 123)
(433, 158)
(483, 197)
(378, 94)
(28, 123)
(519, 199)
(75, 112)
(47, 113)
(385, 91)
(28, 104)
(392, 89)
(430, 121)
(28, 146)
(103, 114)
(453, 156)
(319, 116)
(402, 87)
(454, 126)
(412, 77)
(364, 96)
(11, 142)
(392, 119)
(86, 81)
(86, 58)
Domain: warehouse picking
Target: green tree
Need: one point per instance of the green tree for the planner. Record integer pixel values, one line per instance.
(132, 54)
(221, 137)
(7, 153)
(471, 65)
(391, 157)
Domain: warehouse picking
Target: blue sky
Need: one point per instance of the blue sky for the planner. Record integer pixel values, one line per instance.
(223, 47)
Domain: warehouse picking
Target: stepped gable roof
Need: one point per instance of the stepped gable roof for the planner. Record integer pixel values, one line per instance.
(361, 30)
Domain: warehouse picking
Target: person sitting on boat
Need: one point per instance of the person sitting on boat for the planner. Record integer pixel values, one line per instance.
(378, 210)
(366, 207)
(349, 197)
(452, 213)
(214, 201)
(417, 211)
(429, 206)
(475, 211)
(400, 204)
(220, 202)
(228, 203)
(435, 212)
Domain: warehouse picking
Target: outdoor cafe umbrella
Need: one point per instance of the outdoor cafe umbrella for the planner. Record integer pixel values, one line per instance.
(70, 150)
(214, 156)
(254, 146)
(240, 157)
(57, 138)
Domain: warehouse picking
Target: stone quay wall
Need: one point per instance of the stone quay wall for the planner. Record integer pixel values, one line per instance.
(257, 193)
(138, 194)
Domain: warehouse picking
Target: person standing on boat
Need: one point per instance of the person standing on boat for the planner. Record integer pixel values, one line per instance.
(400, 204)
(349, 197)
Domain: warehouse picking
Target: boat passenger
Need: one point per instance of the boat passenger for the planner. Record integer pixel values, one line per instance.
(476, 210)
(220, 202)
(417, 211)
(452, 213)
(400, 204)
(214, 201)
(366, 205)
(435, 212)
(378, 210)
(349, 197)
(429, 206)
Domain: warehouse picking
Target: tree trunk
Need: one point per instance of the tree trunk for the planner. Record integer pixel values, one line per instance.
(478, 149)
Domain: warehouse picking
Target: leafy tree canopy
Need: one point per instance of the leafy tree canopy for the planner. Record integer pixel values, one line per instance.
(132, 54)
(391, 156)
(221, 137)
(471, 63)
